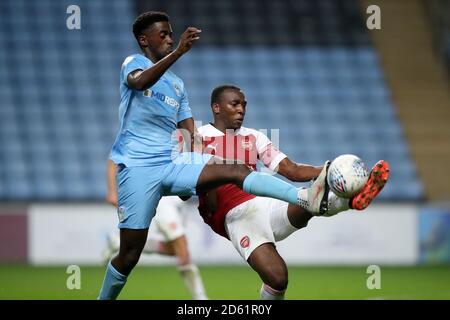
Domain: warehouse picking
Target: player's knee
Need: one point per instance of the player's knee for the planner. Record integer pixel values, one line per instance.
(130, 259)
(239, 172)
(279, 283)
(278, 279)
(182, 254)
(183, 259)
(302, 224)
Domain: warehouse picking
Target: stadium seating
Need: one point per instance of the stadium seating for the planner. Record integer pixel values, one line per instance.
(314, 77)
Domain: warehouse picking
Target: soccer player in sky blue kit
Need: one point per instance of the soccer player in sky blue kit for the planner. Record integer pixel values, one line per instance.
(153, 106)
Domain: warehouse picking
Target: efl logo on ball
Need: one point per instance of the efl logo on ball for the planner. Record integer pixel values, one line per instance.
(347, 175)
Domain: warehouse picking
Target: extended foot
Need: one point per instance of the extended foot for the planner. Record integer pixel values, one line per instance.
(315, 198)
(377, 179)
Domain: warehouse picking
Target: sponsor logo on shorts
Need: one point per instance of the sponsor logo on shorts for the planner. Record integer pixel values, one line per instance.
(245, 242)
(121, 213)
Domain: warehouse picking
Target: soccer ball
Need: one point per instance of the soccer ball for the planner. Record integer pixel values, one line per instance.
(347, 175)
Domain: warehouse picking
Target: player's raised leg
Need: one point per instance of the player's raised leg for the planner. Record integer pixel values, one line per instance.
(378, 177)
(314, 199)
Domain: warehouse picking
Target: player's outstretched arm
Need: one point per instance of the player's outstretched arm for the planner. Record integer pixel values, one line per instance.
(297, 172)
(141, 80)
(111, 196)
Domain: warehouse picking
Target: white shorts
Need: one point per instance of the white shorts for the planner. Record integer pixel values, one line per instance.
(169, 220)
(257, 221)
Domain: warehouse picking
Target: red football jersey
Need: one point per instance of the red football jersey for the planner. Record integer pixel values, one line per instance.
(243, 146)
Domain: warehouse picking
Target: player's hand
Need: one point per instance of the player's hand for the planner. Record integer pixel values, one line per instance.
(187, 40)
(111, 198)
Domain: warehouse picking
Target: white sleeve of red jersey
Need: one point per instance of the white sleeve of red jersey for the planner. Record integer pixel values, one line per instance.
(267, 152)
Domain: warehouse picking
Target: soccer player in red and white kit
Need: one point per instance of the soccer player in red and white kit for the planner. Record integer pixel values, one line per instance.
(253, 224)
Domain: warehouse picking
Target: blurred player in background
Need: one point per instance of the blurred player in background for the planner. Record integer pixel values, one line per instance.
(166, 236)
(153, 106)
(253, 224)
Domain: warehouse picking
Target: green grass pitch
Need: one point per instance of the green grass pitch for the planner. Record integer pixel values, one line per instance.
(237, 282)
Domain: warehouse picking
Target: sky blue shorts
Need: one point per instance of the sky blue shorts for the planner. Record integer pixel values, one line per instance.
(140, 188)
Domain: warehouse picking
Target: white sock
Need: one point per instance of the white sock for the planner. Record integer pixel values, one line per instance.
(302, 198)
(336, 204)
(193, 281)
(152, 246)
(268, 293)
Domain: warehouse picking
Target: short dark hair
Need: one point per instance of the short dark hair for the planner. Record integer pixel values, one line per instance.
(217, 92)
(146, 19)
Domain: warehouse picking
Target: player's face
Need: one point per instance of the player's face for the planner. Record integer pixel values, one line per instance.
(232, 108)
(158, 38)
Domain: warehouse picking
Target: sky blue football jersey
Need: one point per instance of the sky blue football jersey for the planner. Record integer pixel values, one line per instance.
(148, 118)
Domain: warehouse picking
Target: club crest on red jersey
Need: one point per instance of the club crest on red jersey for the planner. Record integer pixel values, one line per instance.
(247, 145)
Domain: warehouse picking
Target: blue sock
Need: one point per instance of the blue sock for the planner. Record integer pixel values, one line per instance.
(112, 284)
(264, 185)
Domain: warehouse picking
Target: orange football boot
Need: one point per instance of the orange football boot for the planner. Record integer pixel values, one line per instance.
(379, 175)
